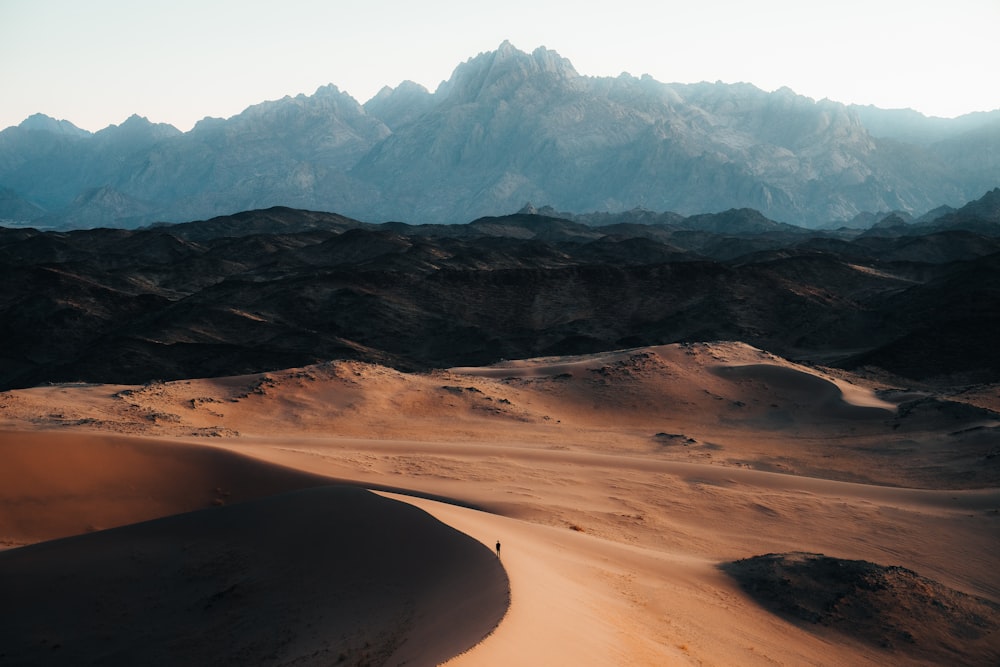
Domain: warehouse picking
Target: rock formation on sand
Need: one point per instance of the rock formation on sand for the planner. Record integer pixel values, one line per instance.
(887, 606)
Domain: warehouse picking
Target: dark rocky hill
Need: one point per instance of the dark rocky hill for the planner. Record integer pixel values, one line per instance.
(887, 607)
(281, 287)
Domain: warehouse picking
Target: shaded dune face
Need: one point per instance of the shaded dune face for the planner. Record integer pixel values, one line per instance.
(815, 396)
(319, 575)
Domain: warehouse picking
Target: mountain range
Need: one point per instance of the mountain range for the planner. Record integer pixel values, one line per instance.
(277, 288)
(507, 127)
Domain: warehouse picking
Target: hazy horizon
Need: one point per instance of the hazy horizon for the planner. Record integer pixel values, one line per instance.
(97, 64)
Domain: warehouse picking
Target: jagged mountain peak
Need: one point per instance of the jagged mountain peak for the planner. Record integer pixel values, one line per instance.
(328, 101)
(329, 93)
(496, 73)
(328, 96)
(328, 90)
(328, 118)
(135, 120)
(406, 87)
(40, 121)
(136, 126)
(507, 50)
(400, 105)
(550, 61)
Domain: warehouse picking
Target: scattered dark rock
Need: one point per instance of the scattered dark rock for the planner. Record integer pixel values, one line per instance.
(890, 607)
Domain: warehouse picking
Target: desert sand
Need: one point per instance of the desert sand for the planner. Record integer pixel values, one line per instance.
(226, 518)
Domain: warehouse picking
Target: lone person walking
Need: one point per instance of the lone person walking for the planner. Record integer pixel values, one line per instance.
(498, 548)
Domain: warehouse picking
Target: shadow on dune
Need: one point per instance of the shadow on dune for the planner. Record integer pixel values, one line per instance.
(323, 575)
(809, 393)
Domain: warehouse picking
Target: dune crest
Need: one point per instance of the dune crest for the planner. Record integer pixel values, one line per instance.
(61, 484)
(808, 391)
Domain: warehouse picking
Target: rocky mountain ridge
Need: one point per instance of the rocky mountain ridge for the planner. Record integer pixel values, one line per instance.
(507, 127)
(278, 288)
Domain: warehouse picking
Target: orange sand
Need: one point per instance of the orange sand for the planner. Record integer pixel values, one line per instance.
(617, 484)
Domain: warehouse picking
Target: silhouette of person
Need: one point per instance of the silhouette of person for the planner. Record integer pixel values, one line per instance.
(498, 548)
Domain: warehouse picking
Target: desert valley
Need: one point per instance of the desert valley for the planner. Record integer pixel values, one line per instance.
(704, 502)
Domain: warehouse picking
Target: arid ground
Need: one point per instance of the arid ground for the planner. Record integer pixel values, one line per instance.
(226, 521)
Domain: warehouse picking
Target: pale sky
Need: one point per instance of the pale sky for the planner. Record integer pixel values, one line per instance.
(96, 62)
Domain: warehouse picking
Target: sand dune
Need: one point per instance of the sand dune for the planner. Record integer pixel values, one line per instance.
(809, 393)
(60, 484)
(722, 403)
(617, 483)
(318, 576)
